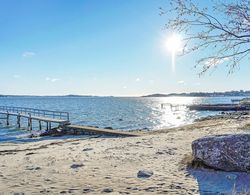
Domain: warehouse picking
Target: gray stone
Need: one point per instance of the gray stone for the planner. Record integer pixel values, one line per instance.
(75, 166)
(32, 167)
(87, 190)
(87, 149)
(144, 174)
(223, 152)
(107, 190)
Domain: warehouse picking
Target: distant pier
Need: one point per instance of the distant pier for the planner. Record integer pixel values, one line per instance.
(219, 107)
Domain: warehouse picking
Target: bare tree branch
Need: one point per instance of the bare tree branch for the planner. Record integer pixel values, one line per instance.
(223, 31)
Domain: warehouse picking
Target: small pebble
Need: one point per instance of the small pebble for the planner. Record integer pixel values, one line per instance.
(75, 166)
(107, 190)
(144, 174)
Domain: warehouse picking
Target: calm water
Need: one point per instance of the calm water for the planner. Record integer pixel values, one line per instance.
(119, 113)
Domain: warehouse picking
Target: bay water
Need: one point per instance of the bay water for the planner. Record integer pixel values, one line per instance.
(124, 113)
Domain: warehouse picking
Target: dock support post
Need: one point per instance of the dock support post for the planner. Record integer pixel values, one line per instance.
(8, 123)
(18, 121)
(49, 125)
(29, 122)
(40, 125)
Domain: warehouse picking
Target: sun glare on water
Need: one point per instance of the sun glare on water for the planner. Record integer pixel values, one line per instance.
(174, 45)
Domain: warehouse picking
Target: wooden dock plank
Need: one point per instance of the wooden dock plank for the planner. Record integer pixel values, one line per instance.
(101, 131)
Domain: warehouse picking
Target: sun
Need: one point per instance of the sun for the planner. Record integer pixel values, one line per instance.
(174, 45)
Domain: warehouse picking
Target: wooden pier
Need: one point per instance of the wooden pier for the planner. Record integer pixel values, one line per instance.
(48, 117)
(30, 114)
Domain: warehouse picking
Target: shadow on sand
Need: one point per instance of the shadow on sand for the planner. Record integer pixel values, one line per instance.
(219, 182)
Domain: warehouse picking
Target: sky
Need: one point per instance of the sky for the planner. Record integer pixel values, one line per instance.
(96, 47)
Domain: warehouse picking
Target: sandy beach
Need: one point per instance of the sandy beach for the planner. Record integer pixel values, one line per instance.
(107, 164)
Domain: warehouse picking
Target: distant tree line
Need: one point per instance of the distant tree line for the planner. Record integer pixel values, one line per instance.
(204, 94)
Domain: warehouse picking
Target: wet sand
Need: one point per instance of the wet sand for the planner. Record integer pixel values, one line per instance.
(110, 165)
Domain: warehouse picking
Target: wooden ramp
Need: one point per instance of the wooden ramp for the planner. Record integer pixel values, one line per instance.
(92, 130)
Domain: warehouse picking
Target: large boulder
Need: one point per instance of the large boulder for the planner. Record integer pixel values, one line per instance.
(223, 152)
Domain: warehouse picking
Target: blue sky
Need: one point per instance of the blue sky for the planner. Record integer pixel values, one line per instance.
(111, 47)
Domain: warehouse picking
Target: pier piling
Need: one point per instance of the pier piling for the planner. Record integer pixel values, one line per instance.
(7, 117)
(19, 121)
(40, 125)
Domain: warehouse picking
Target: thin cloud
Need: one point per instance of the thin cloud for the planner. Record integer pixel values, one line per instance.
(197, 84)
(16, 76)
(138, 80)
(51, 79)
(28, 54)
(181, 82)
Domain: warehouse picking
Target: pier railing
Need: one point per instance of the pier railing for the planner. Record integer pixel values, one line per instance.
(36, 112)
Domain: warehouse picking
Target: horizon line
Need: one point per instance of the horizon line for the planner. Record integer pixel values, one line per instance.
(173, 93)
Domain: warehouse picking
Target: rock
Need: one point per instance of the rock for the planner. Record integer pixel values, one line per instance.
(150, 189)
(87, 149)
(159, 153)
(144, 174)
(223, 152)
(108, 128)
(75, 166)
(132, 188)
(107, 190)
(54, 132)
(32, 167)
(31, 136)
(87, 190)
(30, 153)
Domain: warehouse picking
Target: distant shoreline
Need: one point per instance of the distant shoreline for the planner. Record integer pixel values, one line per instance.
(191, 94)
(203, 94)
